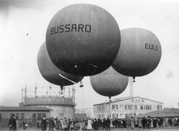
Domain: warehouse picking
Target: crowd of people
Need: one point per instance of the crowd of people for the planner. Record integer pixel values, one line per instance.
(106, 123)
(55, 124)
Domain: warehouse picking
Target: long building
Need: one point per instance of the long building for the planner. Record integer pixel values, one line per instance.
(126, 106)
(29, 114)
(60, 106)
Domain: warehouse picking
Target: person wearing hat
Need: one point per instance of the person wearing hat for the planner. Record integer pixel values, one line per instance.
(43, 124)
(12, 123)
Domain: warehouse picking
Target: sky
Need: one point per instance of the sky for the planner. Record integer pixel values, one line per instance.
(23, 25)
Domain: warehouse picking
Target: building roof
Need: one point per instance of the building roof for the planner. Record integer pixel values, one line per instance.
(166, 112)
(125, 98)
(23, 108)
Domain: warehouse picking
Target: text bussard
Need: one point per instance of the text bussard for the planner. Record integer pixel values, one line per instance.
(70, 28)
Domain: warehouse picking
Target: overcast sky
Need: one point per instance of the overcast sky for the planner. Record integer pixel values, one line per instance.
(23, 25)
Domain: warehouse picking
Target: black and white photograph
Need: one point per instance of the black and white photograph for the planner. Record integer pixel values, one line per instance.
(86, 65)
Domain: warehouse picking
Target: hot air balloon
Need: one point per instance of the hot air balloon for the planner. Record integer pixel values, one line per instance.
(109, 83)
(51, 73)
(139, 53)
(83, 39)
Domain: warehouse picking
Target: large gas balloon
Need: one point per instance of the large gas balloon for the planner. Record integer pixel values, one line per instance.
(109, 83)
(139, 53)
(51, 73)
(83, 39)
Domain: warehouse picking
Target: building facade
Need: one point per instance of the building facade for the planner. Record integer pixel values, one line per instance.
(60, 106)
(28, 114)
(84, 113)
(124, 107)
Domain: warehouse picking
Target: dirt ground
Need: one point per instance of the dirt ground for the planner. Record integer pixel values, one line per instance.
(136, 129)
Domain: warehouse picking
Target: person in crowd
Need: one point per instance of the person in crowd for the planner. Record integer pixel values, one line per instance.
(17, 123)
(43, 124)
(99, 124)
(104, 124)
(12, 123)
(151, 123)
(148, 122)
(72, 125)
(154, 122)
(52, 124)
(111, 124)
(89, 125)
(38, 123)
(140, 123)
(165, 122)
(25, 125)
(132, 121)
(108, 123)
(94, 125)
(127, 120)
(124, 123)
(144, 121)
(136, 122)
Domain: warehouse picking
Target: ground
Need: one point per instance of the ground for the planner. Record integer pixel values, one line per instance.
(136, 129)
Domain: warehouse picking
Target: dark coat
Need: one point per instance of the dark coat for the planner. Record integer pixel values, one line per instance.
(43, 124)
(12, 124)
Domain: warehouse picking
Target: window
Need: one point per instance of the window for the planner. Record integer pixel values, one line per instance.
(39, 115)
(135, 107)
(99, 116)
(44, 115)
(22, 116)
(102, 107)
(34, 116)
(142, 100)
(132, 100)
(125, 107)
(148, 107)
(17, 115)
(138, 100)
(159, 107)
(114, 116)
(141, 107)
(99, 108)
(129, 107)
(114, 107)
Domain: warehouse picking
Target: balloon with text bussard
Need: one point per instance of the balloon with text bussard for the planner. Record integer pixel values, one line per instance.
(51, 73)
(139, 54)
(83, 39)
(109, 82)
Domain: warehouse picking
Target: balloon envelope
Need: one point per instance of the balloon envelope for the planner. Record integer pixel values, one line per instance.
(109, 83)
(83, 39)
(51, 73)
(139, 53)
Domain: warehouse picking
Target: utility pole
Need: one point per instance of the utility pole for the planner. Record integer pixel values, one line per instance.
(131, 87)
(36, 94)
(25, 99)
(22, 94)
